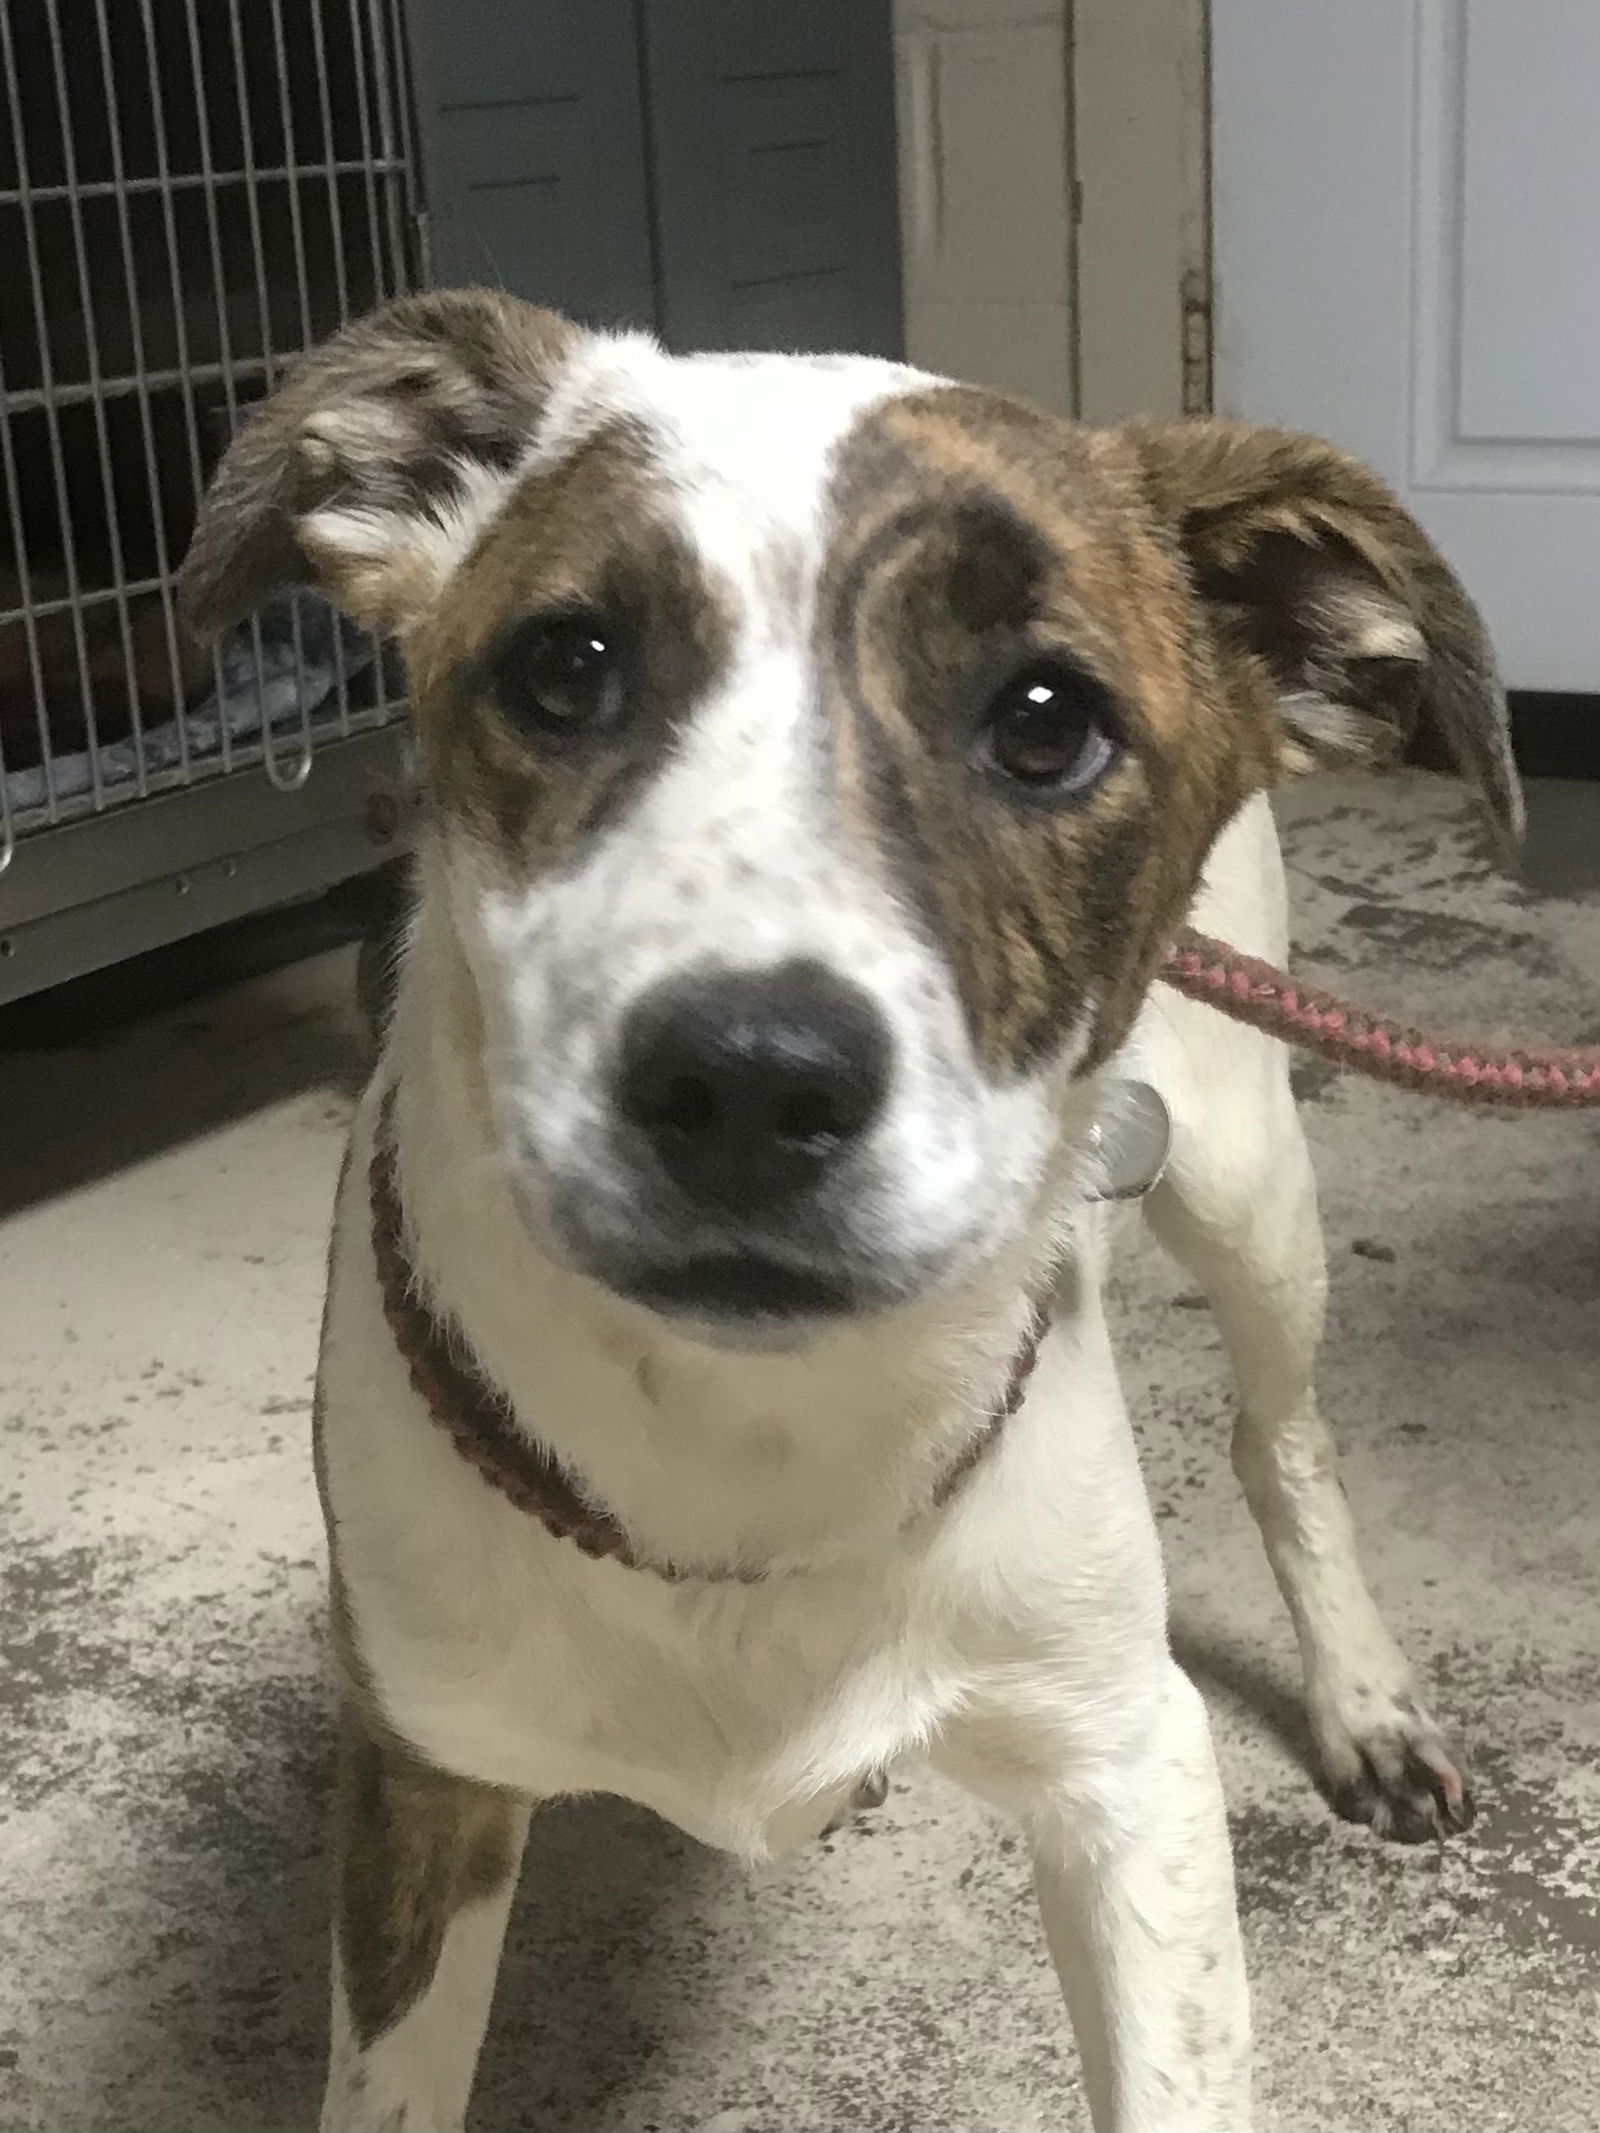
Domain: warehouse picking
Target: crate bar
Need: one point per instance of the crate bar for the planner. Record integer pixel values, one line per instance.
(27, 615)
(8, 834)
(58, 464)
(368, 157)
(403, 88)
(405, 263)
(183, 180)
(384, 94)
(91, 342)
(258, 260)
(341, 285)
(79, 392)
(185, 376)
(95, 596)
(158, 509)
(225, 371)
(297, 240)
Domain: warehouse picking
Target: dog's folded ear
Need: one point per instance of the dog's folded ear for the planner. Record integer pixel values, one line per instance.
(1314, 573)
(367, 472)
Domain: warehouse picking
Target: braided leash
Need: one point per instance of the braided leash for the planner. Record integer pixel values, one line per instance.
(1546, 1078)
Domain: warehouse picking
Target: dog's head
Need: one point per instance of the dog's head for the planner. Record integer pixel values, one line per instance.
(819, 757)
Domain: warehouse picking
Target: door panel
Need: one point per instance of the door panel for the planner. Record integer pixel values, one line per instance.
(1407, 263)
(534, 152)
(773, 152)
(986, 193)
(1529, 333)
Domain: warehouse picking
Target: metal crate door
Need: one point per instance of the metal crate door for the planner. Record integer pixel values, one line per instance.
(191, 192)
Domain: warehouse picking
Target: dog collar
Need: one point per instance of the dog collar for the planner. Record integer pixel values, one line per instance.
(477, 1418)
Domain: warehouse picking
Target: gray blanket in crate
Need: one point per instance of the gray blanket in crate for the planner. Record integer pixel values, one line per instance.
(293, 682)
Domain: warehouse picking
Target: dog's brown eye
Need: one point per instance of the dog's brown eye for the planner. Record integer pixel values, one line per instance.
(560, 674)
(1049, 728)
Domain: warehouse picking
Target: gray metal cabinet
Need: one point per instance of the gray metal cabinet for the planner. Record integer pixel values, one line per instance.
(721, 170)
(533, 151)
(772, 128)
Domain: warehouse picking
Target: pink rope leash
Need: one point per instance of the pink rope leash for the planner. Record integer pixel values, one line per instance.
(1545, 1078)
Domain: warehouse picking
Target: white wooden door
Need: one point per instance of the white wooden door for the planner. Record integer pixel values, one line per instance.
(1407, 244)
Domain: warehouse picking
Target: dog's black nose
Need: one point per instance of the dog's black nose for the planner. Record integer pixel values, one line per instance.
(748, 1085)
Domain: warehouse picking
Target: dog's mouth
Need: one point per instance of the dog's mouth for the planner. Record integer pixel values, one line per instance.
(740, 1291)
(743, 1288)
(732, 1283)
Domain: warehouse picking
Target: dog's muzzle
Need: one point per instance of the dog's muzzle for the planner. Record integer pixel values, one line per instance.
(738, 1101)
(748, 1088)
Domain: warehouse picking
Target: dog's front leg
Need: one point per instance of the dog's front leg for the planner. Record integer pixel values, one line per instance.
(1138, 1909)
(426, 1864)
(1135, 1886)
(1238, 1207)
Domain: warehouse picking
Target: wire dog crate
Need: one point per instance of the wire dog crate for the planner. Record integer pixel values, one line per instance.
(191, 191)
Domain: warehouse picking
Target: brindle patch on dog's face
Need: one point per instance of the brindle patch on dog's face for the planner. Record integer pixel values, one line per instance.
(973, 536)
(587, 534)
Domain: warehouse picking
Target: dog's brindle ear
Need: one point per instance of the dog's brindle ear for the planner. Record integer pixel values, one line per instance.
(1317, 575)
(365, 473)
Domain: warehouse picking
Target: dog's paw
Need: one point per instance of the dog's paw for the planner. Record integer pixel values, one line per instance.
(872, 1791)
(1399, 1774)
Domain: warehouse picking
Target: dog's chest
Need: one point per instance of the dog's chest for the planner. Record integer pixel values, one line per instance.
(743, 1716)
(741, 1712)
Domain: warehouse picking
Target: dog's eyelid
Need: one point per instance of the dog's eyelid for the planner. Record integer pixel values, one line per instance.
(513, 641)
(553, 613)
(1023, 652)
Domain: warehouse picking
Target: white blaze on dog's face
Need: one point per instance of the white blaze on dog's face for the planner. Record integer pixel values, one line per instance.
(819, 757)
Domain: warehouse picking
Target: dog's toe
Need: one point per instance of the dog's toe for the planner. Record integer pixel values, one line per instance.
(1408, 1785)
(871, 1792)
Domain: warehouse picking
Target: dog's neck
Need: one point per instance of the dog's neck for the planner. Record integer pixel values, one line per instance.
(704, 1455)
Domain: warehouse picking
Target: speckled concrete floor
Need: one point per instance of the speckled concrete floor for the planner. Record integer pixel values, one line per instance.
(163, 1195)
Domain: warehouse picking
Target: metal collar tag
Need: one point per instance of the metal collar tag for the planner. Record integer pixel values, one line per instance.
(1130, 1141)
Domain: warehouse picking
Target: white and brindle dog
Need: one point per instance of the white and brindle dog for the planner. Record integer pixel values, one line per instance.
(817, 757)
